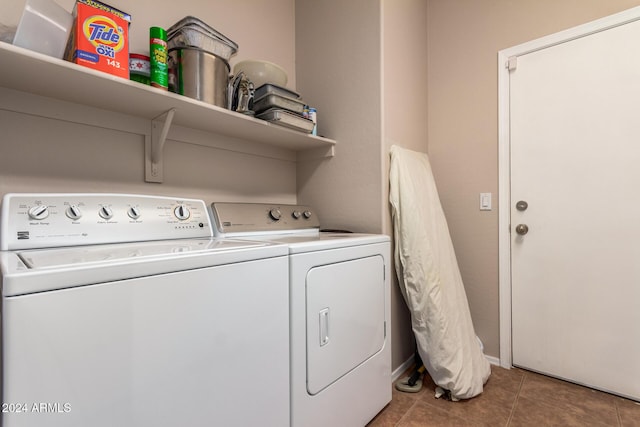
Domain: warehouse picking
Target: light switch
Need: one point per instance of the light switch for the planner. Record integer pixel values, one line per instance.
(485, 201)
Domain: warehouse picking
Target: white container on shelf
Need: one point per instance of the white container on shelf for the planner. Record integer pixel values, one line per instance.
(44, 27)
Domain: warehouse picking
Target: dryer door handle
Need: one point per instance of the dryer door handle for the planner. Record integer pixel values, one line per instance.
(324, 326)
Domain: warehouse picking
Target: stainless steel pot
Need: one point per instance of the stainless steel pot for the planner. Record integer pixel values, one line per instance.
(200, 75)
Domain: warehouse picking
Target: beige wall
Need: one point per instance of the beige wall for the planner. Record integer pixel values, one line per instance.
(404, 29)
(463, 39)
(339, 72)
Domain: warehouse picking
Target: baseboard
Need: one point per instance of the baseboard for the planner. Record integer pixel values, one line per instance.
(493, 360)
(397, 373)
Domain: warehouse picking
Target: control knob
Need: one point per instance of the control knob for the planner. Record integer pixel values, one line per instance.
(73, 212)
(275, 214)
(307, 214)
(182, 212)
(296, 214)
(105, 212)
(133, 212)
(39, 212)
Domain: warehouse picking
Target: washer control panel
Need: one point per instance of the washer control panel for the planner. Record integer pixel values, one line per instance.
(262, 217)
(30, 220)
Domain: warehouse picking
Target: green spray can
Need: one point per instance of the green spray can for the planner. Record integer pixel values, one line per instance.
(158, 55)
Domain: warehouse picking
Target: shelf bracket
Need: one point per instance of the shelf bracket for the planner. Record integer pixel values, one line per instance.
(154, 146)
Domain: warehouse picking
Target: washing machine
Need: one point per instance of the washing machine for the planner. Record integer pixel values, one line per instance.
(339, 311)
(123, 310)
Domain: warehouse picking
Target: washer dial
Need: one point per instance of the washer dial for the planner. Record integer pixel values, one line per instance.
(39, 212)
(105, 212)
(182, 212)
(275, 214)
(133, 212)
(73, 212)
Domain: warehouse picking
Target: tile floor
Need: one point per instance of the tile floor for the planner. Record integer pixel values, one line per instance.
(511, 397)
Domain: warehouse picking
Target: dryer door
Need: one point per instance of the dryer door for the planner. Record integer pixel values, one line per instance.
(345, 318)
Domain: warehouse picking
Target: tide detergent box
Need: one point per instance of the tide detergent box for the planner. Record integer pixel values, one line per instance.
(99, 38)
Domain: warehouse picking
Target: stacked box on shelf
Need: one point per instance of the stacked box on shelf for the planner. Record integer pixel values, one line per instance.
(281, 106)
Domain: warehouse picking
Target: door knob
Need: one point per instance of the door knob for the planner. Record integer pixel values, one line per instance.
(522, 229)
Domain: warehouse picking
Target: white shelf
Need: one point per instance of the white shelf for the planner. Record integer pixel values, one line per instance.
(31, 72)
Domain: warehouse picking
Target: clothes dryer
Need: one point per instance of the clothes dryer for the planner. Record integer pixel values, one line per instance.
(339, 311)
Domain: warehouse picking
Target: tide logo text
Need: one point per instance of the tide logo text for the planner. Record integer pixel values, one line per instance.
(104, 34)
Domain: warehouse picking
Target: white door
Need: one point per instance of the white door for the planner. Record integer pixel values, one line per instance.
(575, 161)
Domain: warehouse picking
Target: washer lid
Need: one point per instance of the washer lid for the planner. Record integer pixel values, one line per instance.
(42, 270)
(63, 257)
